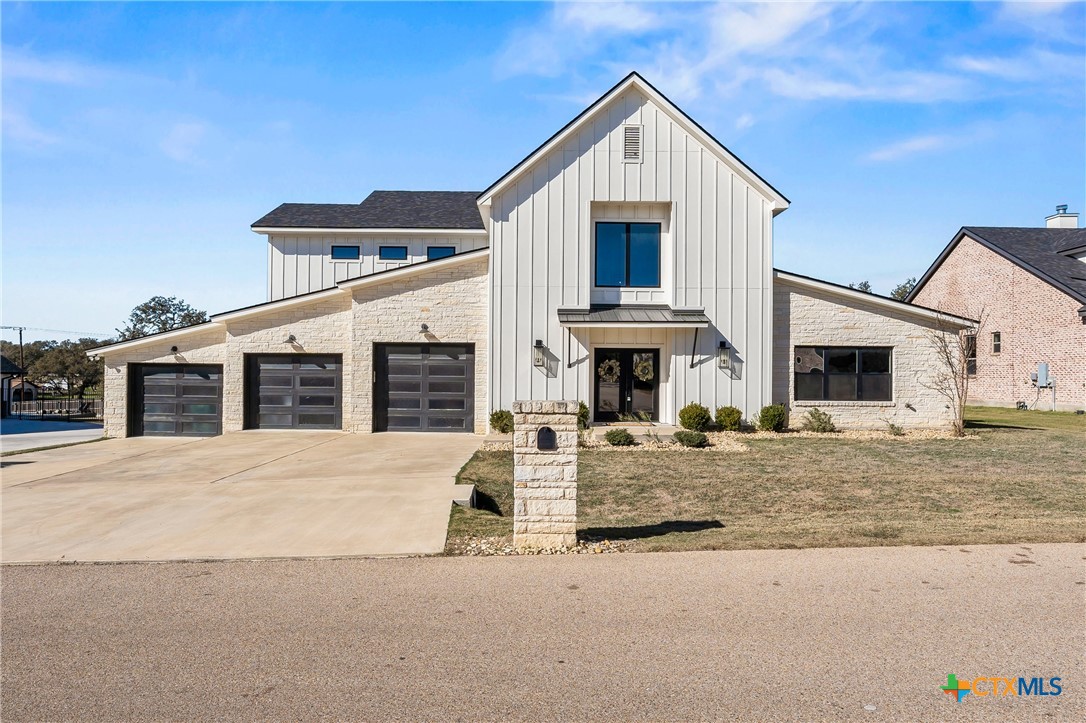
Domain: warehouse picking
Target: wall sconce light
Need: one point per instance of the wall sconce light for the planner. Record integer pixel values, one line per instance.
(291, 340)
(723, 355)
(424, 329)
(538, 357)
(173, 349)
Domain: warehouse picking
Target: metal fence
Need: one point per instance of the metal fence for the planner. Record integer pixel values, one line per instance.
(54, 408)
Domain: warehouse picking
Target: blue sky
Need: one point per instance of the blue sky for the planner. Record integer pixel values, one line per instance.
(141, 140)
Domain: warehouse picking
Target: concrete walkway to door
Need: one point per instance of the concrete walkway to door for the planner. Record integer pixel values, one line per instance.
(241, 495)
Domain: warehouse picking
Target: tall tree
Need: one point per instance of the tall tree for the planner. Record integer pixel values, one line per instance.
(904, 288)
(65, 366)
(160, 313)
(862, 286)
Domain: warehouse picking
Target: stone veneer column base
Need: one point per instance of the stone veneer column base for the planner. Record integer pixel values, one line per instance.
(544, 480)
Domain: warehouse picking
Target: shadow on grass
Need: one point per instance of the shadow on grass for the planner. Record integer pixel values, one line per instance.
(486, 503)
(637, 532)
(995, 425)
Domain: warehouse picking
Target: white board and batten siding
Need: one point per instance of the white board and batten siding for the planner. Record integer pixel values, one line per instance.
(716, 254)
(301, 263)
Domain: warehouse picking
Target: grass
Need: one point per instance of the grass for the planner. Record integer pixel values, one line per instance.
(1022, 479)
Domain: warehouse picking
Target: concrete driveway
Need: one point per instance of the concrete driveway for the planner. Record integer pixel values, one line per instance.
(242, 495)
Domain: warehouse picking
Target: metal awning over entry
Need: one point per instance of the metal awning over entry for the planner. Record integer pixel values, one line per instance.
(652, 316)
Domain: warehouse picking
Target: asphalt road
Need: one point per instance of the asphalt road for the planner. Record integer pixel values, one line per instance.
(778, 635)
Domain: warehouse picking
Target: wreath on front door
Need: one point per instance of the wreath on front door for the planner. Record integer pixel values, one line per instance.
(643, 370)
(609, 371)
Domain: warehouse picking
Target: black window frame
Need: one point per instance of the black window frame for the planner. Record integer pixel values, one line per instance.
(858, 373)
(969, 348)
(450, 249)
(382, 249)
(627, 284)
(997, 342)
(357, 253)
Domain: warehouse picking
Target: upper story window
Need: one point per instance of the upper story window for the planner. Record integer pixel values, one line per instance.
(844, 374)
(392, 253)
(345, 253)
(997, 342)
(969, 341)
(439, 252)
(628, 255)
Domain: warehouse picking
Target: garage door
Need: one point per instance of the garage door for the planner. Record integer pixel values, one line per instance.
(177, 400)
(425, 388)
(295, 392)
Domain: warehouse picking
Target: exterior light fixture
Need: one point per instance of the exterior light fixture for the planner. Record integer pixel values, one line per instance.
(291, 339)
(173, 349)
(538, 357)
(723, 355)
(424, 329)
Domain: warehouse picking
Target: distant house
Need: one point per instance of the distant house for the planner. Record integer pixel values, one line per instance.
(1030, 283)
(24, 390)
(626, 262)
(8, 370)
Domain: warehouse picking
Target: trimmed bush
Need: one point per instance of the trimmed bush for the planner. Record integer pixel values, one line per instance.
(695, 416)
(894, 429)
(582, 416)
(691, 439)
(619, 438)
(772, 418)
(502, 421)
(818, 421)
(730, 419)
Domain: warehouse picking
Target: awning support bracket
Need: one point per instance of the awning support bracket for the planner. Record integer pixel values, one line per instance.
(569, 348)
(694, 348)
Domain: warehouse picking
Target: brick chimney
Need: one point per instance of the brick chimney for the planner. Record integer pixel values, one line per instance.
(1062, 219)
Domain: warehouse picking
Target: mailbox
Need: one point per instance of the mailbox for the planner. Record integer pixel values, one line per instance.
(546, 440)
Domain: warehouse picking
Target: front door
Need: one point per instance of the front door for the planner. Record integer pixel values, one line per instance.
(627, 384)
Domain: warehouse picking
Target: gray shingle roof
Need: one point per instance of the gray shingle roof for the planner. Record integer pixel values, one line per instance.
(9, 368)
(1041, 250)
(633, 315)
(383, 209)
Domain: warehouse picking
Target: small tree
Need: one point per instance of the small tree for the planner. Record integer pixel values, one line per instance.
(160, 313)
(903, 289)
(950, 379)
(863, 286)
(65, 366)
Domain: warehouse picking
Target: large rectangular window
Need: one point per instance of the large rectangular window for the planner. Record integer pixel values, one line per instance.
(844, 374)
(392, 253)
(345, 253)
(439, 252)
(628, 255)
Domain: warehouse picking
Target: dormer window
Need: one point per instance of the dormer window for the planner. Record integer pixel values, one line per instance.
(439, 252)
(627, 255)
(345, 253)
(392, 253)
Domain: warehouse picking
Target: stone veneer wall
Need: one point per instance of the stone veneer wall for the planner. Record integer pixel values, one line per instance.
(545, 481)
(1037, 323)
(803, 317)
(453, 301)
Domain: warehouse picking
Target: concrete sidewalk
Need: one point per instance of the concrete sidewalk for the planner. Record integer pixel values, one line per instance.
(852, 634)
(242, 495)
(19, 434)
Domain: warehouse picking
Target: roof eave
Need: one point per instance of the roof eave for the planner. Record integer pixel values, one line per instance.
(278, 230)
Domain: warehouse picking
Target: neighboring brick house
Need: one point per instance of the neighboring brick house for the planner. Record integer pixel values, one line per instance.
(1030, 286)
(627, 262)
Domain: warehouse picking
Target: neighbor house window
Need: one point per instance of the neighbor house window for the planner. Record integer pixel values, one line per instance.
(628, 254)
(345, 253)
(997, 342)
(970, 342)
(833, 373)
(392, 253)
(439, 252)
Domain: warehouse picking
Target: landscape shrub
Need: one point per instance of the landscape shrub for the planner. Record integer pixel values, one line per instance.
(730, 419)
(695, 416)
(772, 418)
(895, 430)
(691, 439)
(582, 416)
(502, 421)
(619, 438)
(818, 421)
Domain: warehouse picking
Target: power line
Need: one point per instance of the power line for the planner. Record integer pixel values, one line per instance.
(56, 331)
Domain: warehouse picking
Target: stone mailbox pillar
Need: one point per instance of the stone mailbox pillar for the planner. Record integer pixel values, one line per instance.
(545, 474)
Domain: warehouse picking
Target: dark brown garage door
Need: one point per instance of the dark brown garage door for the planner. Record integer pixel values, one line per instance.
(425, 388)
(294, 392)
(176, 400)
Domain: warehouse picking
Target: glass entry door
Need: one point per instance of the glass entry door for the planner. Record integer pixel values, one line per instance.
(627, 383)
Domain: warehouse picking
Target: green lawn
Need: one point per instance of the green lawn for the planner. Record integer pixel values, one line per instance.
(1021, 479)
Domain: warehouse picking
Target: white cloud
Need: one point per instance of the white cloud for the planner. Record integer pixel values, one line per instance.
(20, 129)
(1034, 64)
(744, 121)
(1033, 8)
(591, 17)
(884, 85)
(19, 65)
(908, 147)
(182, 140)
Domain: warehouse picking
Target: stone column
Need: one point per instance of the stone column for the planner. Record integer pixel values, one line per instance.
(545, 474)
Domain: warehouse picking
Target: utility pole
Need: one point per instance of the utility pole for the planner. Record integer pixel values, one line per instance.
(22, 358)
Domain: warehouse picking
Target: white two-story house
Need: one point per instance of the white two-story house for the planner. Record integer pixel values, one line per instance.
(627, 262)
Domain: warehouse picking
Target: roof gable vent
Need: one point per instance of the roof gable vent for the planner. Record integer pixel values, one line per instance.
(632, 143)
